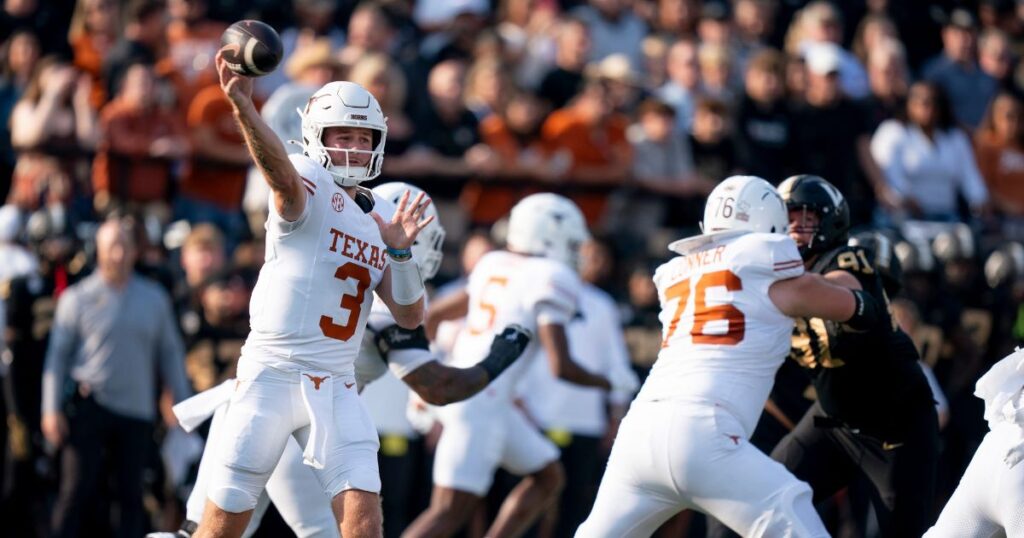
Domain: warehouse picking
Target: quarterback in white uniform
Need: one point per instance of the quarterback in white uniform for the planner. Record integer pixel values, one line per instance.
(533, 284)
(292, 487)
(726, 306)
(990, 498)
(326, 250)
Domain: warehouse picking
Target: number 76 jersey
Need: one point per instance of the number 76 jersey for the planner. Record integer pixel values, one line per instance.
(722, 337)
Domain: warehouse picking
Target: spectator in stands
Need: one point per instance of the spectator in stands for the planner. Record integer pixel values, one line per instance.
(51, 127)
(663, 171)
(213, 184)
(874, 30)
(594, 136)
(113, 334)
(928, 159)
(820, 24)
(832, 138)
(956, 70)
(513, 133)
(674, 19)
(447, 141)
(654, 69)
(528, 30)
(313, 20)
(140, 144)
(382, 77)
(369, 31)
(143, 40)
(889, 80)
(764, 123)
(716, 73)
(487, 84)
(95, 28)
(999, 146)
(564, 80)
(683, 86)
(614, 28)
(754, 22)
(995, 56)
(620, 79)
(193, 40)
(19, 55)
(714, 152)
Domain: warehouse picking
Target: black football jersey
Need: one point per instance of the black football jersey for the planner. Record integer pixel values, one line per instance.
(868, 380)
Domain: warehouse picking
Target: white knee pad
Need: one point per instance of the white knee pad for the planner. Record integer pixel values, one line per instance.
(241, 490)
(791, 514)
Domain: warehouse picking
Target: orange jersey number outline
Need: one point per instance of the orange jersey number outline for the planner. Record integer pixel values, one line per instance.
(352, 303)
(486, 306)
(703, 314)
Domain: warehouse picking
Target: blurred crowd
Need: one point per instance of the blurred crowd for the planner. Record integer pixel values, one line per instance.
(635, 109)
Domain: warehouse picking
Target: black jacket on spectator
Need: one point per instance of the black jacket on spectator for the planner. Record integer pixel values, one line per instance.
(559, 86)
(763, 140)
(825, 139)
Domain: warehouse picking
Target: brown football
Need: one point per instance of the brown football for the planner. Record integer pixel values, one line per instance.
(251, 48)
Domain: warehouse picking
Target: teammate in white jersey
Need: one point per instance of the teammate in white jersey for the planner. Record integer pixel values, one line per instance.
(726, 307)
(533, 283)
(990, 498)
(326, 249)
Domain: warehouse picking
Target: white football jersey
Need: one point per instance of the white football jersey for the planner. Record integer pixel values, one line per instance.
(722, 337)
(314, 293)
(507, 288)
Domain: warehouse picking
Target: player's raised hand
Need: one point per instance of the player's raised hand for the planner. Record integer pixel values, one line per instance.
(237, 87)
(406, 223)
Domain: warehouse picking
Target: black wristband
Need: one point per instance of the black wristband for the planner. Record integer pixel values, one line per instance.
(394, 337)
(866, 312)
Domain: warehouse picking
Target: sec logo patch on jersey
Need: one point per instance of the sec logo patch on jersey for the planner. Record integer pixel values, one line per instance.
(338, 202)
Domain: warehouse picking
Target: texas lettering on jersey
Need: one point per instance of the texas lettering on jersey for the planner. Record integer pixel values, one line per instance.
(356, 249)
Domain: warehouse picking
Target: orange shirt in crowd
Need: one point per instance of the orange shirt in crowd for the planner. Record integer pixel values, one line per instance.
(218, 183)
(1002, 166)
(89, 59)
(490, 200)
(565, 129)
(122, 165)
(189, 63)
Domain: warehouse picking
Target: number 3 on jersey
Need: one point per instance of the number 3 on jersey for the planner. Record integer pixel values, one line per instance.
(352, 303)
(704, 314)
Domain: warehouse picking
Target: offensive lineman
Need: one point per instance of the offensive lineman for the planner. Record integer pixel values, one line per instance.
(326, 249)
(989, 501)
(727, 303)
(875, 413)
(292, 486)
(534, 284)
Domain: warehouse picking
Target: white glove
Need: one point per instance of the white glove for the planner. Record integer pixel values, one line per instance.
(1014, 454)
(624, 381)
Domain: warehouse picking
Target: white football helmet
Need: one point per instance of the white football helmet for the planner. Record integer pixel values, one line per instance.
(426, 249)
(548, 225)
(344, 104)
(746, 203)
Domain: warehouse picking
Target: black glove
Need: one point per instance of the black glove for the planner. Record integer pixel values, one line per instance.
(505, 349)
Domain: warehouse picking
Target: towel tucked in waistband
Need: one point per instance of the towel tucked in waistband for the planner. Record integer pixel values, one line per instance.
(318, 397)
(195, 410)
